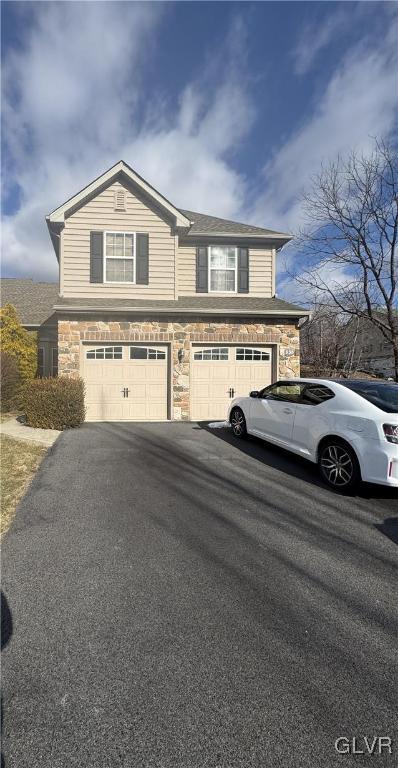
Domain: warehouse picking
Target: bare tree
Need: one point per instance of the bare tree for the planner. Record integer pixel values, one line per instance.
(326, 342)
(350, 239)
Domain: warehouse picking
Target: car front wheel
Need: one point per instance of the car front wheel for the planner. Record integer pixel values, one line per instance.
(238, 423)
(338, 465)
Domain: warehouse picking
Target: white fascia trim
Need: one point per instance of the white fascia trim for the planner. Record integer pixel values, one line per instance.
(182, 310)
(240, 235)
(59, 214)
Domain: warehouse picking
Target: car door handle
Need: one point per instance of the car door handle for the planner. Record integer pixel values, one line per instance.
(287, 410)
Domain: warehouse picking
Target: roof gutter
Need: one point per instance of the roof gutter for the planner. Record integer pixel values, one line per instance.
(185, 311)
(241, 235)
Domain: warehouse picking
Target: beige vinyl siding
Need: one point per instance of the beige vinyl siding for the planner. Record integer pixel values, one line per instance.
(186, 270)
(260, 271)
(99, 214)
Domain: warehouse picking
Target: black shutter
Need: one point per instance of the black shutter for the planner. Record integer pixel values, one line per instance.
(201, 270)
(142, 271)
(243, 270)
(96, 257)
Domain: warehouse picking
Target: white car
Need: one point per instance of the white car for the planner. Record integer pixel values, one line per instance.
(348, 427)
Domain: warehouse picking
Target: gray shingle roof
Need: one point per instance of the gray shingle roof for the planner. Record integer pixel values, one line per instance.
(205, 224)
(207, 304)
(33, 301)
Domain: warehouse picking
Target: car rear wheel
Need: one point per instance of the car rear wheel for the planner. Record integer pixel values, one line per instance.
(338, 465)
(238, 423)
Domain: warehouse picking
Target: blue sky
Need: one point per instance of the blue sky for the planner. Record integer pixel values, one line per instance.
(226, 108)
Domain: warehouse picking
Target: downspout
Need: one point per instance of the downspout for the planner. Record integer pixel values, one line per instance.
(273, 271)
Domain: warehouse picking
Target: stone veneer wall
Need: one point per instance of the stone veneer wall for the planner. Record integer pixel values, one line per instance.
(180, 334)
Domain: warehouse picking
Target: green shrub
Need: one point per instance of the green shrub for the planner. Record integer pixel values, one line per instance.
(17, 341)
(53, 403)
(10, 381)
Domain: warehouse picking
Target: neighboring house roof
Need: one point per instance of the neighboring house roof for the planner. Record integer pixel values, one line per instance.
(190, 222)
(33, 301)
(234, 305)
(203, 224)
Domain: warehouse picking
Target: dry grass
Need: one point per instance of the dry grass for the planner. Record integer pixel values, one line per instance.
(19, 462)
(5, 416)
(307, 371)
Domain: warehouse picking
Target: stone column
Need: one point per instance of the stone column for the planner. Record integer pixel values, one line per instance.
(68, 348)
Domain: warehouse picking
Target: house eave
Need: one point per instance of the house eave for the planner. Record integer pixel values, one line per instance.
(84, 309)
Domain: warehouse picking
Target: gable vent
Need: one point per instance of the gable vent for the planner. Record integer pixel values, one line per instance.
(120, 200)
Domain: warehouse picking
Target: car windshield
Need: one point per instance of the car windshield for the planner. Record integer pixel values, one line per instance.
(384, 396)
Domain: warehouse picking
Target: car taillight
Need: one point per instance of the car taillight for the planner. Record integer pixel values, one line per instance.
(391, 432)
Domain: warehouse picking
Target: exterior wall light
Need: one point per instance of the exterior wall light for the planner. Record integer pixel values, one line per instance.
(180, 355)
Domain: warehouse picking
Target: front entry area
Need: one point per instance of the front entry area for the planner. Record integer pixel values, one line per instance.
(221, 372)
(125, 382)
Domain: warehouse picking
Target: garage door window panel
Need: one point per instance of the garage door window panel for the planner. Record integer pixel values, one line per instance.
(212, 353)
(147, 353)
(119, 257)
(247, 353)
(222, 269)
(105, 353)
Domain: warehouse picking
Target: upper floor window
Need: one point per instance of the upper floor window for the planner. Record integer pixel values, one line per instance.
(223, 268)
(119, 257)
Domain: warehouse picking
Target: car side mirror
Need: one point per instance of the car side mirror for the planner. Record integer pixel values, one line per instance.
(254, 393)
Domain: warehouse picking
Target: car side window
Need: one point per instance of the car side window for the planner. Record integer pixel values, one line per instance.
(315, 394)
(286, 391)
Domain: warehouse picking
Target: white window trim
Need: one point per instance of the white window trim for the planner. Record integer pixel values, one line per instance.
(105, 257)
(226, 293)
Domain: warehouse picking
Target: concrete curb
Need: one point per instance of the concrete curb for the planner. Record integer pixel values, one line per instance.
(13, 428)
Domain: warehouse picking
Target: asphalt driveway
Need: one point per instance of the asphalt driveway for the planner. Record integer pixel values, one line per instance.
(173, 598)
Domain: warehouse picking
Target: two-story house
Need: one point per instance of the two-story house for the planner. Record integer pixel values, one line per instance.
(165, 313)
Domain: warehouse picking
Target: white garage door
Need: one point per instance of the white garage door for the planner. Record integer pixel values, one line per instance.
(219, 373)
(125, 382)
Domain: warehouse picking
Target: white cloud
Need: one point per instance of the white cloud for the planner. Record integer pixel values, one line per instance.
(74, 103)
(71, 101)
(314, 38)
(358, 104)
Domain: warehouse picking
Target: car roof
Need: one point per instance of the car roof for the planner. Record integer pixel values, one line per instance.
(300, 380)
(343, 382)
